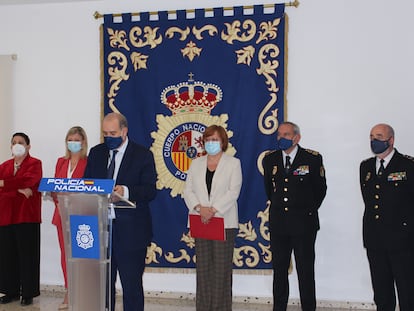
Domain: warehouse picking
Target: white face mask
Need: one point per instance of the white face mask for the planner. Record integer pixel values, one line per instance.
(18, 150)
(74, 146)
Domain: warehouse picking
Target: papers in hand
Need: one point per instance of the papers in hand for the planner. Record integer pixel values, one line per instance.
(128, 204)
(213, 230)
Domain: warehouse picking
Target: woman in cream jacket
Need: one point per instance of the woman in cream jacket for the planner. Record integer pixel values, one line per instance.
(212, 188)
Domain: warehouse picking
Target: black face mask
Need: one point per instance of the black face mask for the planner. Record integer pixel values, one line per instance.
(379, 146)
(113, 142)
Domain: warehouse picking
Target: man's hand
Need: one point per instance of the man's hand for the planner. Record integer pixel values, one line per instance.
(119, 190)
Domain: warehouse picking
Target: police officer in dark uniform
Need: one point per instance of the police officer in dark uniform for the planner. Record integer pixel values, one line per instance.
(387, 186)
(295, 186)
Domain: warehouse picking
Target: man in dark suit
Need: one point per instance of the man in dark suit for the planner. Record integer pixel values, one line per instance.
(295, 185)
(134, 173)
(387, 186)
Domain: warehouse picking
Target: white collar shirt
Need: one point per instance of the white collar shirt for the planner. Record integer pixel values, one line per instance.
(387, 160)
(292, 155)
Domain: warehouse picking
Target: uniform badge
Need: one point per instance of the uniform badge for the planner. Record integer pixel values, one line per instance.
(301, 170)
(396, 176)
(274, 170)
(368, 176)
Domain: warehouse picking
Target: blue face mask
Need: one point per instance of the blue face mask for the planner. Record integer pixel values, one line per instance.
(284, 143)
(379, 146)
(74, 146)
(113, 142)
(212, 147)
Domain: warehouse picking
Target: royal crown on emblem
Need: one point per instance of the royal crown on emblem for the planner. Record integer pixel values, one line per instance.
(191, 97)
(84, 227)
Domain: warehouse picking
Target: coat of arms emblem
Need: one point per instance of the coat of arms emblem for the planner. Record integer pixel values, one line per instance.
(84, 237)
(179, 137)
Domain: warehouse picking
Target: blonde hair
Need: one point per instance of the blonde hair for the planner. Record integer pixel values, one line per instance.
(77, 130)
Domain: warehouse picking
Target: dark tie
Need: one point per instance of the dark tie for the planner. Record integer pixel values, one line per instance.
(287, 164)
(381, 168)
(111, 168)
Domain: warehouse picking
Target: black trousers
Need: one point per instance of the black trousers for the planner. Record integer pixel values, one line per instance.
(131, 268)
(20, 260)
(303, 247)
(390, 269)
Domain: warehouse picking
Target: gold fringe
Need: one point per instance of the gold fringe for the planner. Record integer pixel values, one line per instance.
(193, 271)
(235, 271)
(170, 270)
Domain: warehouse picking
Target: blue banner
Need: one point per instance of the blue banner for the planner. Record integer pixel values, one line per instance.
(84, 232)
(99, 186)
(172, 74)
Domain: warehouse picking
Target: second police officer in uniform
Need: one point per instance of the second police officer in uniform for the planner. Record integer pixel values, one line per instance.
(295, 185)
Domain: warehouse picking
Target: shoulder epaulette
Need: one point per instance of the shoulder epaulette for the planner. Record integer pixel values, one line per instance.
(270, 152)
(409, 157)
(312, 151)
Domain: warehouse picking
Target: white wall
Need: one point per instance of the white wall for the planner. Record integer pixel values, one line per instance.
(6, 76)
(350, 66)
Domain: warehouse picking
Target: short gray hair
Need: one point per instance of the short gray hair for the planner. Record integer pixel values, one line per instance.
(296, 128)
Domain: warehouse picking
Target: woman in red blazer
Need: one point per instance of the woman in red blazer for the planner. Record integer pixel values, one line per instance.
(20, 217)
(72, 165)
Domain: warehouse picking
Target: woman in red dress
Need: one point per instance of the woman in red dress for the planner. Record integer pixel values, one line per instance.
(72, 165)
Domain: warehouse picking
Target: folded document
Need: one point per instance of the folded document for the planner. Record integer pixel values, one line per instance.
(213, 230)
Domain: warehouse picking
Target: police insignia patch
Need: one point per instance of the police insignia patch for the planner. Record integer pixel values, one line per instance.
(409, 157)
(322, 171)
(84, 237)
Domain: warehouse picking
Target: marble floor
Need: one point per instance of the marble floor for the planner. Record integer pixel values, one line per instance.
(47, 302)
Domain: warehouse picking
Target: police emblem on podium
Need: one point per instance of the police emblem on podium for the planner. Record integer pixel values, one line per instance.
(84, 236)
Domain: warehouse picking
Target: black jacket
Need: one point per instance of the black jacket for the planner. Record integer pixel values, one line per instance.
(388, 221)
(295, 197)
